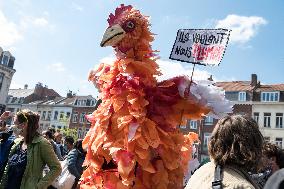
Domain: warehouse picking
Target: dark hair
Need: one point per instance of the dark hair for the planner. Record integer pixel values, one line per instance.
(272, 150)
(32, 120)
(237, 141)
(69, 139)
(48, 133)
(78, 145)
(52, 130)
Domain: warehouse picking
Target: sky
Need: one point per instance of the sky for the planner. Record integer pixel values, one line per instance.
(57, 42)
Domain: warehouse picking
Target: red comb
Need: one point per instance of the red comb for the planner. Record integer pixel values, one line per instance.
(118, 13)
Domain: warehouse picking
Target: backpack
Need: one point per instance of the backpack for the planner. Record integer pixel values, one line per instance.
(65, 180)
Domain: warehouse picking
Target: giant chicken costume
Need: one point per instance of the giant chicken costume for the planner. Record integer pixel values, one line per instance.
(134, 140)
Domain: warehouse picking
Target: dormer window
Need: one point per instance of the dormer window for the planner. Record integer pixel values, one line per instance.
(270, 96)
(242, 96)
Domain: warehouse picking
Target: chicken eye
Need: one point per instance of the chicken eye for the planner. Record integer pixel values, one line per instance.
(130, 25)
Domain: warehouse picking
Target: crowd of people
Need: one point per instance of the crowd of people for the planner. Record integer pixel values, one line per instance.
(240, 158)
(26, 154)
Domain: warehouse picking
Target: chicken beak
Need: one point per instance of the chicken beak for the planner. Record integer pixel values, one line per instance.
(112, 36)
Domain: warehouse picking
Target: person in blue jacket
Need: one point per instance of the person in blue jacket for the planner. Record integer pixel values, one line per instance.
(6, 142)
(75, 159)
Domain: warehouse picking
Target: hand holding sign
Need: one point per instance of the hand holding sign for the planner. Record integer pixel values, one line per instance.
(200, 46)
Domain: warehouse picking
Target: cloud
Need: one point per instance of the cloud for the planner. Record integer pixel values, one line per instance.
(56, 67)
(36, 22)
(243, 27)
(9, 32)
(41, 22)
(171, 69)
(77, 7)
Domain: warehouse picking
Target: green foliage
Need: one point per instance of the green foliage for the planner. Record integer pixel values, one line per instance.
(70, 132)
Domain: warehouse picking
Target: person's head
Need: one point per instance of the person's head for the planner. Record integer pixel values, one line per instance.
(78, 145)
(69, 142)
(3, 126)
(27, 122)
(237, 141)
(273, 156)
(52, 130)
(47, 134)
(58, 137)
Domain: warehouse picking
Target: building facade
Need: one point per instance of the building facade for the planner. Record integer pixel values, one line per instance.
(265, 103)
(83, 105)
(19, 99)
(6, 74)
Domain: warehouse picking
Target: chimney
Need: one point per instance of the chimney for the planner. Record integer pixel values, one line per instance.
(70, 94)
(253, 82)
(25, 86)
(38, 89)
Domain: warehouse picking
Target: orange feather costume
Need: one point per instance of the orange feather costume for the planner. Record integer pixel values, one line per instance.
(134, 141)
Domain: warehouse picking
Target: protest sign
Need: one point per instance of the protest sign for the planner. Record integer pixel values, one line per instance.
(200, 46)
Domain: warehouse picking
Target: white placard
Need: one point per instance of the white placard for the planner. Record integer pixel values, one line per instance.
(200, 46)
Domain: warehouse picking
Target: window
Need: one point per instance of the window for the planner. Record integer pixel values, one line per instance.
(43, 115)
(80, 133)
(278, 142)
(1, 79)
(67, 115)
(39, 113)
(193, 124)
(48, 115)
(182, 126)
(5, 60)
(208, 120)
(82, 117)
(256, 116)
(267, 139)
(270, 96)
(267, 119)
(75, 117)
(89, 113)
(58, 127)
(279, 120)
(55, 115)
(206, 139)
(242, 96)
(61, 115)
(13, 100)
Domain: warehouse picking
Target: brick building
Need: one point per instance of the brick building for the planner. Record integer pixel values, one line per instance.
(83, 105)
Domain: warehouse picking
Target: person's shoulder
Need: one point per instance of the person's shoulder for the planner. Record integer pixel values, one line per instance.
(234, 185)
(275, 179)
(202, 177)
(235, 179)
(42, 141)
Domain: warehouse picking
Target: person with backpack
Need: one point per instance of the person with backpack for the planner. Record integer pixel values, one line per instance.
(75, 159)
(235, 148)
